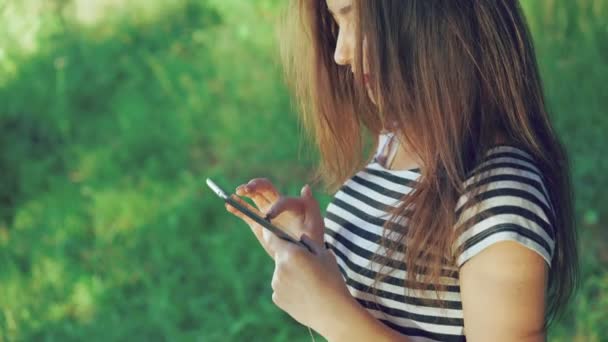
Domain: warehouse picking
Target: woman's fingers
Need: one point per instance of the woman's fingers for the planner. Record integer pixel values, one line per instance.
(306, 192)
(304, 212)
(313, 218)
(308, 199)
(239, 214)
(264, 187)
(255, 228)
(313, 245)
(261, 191)
(295, 205)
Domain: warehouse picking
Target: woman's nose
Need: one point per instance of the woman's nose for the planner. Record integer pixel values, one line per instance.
(341, 58)
(342, 55)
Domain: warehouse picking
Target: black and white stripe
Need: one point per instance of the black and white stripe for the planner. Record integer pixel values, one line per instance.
(512, 204)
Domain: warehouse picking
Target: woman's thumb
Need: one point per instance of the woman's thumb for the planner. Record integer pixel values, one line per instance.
(306, 191)
(312, 245)
(309, 199)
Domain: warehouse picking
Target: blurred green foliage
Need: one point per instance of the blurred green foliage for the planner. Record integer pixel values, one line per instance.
(113, 115)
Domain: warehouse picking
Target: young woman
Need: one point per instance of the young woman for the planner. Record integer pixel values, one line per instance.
(458, 224)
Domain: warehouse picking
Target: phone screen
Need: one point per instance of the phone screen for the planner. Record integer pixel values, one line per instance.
(258, 219)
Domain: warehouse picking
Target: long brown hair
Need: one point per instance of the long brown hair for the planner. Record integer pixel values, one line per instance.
(453, 75)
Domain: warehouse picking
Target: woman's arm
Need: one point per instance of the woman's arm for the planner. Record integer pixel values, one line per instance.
(503, 294)
(358, 325)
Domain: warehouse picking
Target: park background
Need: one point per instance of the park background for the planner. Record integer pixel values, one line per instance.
(112, 114)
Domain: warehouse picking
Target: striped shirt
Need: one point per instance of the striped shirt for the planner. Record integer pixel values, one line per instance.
(513, 195)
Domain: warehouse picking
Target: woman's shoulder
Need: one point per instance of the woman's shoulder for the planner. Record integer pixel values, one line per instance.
(505, 198)
(502, 163)
(504, 155)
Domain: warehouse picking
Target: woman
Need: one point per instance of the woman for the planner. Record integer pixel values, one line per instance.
(459, 225)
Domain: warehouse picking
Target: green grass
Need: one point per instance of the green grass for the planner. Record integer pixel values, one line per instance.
(109, 129)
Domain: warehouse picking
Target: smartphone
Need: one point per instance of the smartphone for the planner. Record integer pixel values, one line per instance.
(258, 219)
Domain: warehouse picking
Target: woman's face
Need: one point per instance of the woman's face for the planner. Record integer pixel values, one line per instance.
(342, 11)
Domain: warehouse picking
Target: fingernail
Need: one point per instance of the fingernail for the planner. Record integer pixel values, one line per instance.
(306, 191)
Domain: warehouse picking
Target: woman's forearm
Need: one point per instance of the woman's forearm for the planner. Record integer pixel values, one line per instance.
(354, 323)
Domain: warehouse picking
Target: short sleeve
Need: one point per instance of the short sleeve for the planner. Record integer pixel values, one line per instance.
(505, 199)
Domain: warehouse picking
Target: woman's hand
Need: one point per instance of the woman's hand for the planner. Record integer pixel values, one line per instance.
(308, 285)
(296, 215)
